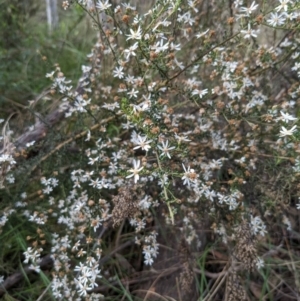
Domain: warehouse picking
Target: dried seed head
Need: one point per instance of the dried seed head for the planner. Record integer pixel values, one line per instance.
(125, 205)
(245, 251)
(236, 291)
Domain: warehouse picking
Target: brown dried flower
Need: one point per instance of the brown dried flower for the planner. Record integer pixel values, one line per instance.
(125, 205)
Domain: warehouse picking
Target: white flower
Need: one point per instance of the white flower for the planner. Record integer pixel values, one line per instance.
(86, 69)
(181, 138)
(296, 66)
(81, 288)
(35, 268)
(249, 10)
(103, 6)
(148, 260)
(276, 20)
(163, 181)
(200, 93)
(210, 194)
(257, 226)
(127, 6)
(250, 32)
(221, 197)
(130, 51)
(118, 72)
(287, 117)
(283, 5)
(132, 93)
(50, 75)
(145, 203)
(54, 182)
(95, 183)
(7, 158)
(32, 255)
(231, 201)
(260, 263)
(111, 106)
(175, 47)
(47, 190)
(284, 132)
(192, 4)
(135, 170)
(189, 176)
(96, 222)
(92, 160)
(135, 35)
(142, 143)
(160, 46)
(165, 149)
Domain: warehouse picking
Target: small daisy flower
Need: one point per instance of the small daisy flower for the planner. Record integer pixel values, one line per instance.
(142, 143)
(165, 149)
(135, 170)
(250, 32)
(118, 72)
(276, 19)
(249, 10)
(189, 176)
(135, 35)
(284, 132)
(103, 5)
(287, 117)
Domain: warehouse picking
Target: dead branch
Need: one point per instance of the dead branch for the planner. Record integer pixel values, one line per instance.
(45, 264)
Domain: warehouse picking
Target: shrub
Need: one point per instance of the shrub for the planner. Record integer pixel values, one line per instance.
(183, 123)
